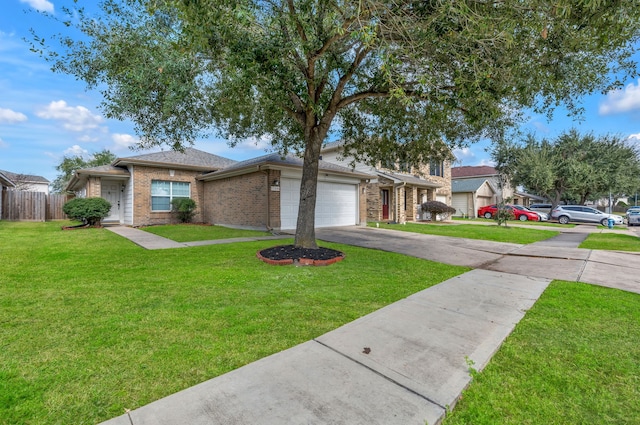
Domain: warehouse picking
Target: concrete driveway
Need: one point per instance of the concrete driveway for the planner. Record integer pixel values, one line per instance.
(555, 258)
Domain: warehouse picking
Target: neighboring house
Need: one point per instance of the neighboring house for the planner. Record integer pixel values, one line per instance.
(5, 184)
(261, 193)
(470, 194)
(27, 182)
(395, 192)
(504, 190)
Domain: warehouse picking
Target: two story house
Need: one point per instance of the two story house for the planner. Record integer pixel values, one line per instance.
(395, 191)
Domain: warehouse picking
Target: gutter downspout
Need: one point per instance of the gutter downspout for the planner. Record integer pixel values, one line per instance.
(266, 175)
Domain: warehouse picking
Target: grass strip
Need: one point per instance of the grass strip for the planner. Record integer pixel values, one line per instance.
(573, 359)
(472, 231)
(612, 241)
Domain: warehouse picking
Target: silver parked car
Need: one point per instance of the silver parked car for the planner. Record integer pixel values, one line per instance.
(634, 208)
(633, 217)
(542, 208)
(580, 213)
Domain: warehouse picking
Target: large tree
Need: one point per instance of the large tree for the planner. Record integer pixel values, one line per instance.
(72, 163)
(573, 167)
(394, 79)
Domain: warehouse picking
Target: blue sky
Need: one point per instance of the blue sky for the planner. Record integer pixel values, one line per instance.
(45, 115)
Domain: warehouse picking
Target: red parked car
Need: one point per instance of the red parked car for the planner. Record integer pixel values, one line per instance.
(522, 215)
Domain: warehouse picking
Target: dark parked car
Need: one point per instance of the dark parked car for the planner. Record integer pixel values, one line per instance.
(580, 213)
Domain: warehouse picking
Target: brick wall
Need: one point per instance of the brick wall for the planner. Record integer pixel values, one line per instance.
(142, 176)
(246, 201)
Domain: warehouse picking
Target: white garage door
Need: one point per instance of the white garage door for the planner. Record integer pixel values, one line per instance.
(337, 204)
(459, 202)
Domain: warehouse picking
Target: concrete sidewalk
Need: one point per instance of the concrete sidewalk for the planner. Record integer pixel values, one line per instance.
(403, 364)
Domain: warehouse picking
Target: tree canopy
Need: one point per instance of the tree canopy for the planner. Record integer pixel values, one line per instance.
(394, 80)
(71, 163)
(573, 168)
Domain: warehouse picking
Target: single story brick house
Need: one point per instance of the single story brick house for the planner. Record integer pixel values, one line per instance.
(395, 192)
(260, 193)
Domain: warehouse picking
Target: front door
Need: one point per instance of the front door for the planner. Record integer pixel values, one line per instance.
(385, 203)
(111, 192)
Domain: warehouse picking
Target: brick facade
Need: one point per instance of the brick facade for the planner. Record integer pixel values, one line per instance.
(142, 178)
(415, 195)
(247, 201)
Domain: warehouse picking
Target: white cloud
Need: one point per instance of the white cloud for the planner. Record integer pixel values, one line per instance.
(488, 161)
(88, 139)
(263, 143)
(634, 138)
(41, 5)
(74, 118)
(9, 116)
(76, 150)
(3, 144)
(463, 155)
(123, 141)
(618, 101)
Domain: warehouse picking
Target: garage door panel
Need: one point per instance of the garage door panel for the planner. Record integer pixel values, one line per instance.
(337, 204)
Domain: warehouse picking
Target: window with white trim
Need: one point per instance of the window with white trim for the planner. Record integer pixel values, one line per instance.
(163, 192)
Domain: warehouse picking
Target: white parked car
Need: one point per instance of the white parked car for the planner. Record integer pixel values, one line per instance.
(580, 213)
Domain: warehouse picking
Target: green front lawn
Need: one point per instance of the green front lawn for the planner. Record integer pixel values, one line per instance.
(612, 241)
(573, 359)
(91, 324)
(196, 232)
(472, 231)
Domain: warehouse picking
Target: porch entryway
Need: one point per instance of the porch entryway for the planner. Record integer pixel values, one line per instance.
(111, 190)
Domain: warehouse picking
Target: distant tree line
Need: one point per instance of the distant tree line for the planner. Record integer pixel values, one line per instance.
(573, 168)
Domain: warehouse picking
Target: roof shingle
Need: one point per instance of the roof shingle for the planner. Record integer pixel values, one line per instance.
(473, 171)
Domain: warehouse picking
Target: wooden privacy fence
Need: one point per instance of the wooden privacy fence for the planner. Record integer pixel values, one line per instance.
(19, 205)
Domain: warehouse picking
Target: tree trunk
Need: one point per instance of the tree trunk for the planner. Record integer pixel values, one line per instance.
(305, 227)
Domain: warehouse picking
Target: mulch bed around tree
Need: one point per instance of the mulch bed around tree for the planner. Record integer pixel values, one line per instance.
(289, 254)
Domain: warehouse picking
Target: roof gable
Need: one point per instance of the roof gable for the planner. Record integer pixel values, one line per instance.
(26, 178)
(278, 161)
(189, 158)
(473, 171)
(469, 185)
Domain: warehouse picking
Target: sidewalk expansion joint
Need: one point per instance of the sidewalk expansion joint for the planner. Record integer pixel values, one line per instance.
(547, 257)
(393, 381)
